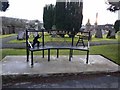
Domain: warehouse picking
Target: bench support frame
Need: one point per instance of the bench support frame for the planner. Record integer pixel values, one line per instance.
(71, 48)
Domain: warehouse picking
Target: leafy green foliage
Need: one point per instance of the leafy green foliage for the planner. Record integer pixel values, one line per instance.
(15, 22)
(114, 6)
(4, 6)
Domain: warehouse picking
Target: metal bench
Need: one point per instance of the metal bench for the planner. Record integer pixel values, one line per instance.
(57, 48)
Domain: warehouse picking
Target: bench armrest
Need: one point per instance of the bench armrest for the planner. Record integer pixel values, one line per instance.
(30, 44)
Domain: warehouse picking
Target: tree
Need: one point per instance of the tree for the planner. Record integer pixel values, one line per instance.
(48, 16)
(117, 26)
(78, 16)
(74, 16)
(4, 6)
(69, 16)
(114, 6)
(66, 16)
(60, 15)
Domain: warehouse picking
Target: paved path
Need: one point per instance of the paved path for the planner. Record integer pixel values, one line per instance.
(14, 46)
(6, 39)
(60, 73)
(56, 65)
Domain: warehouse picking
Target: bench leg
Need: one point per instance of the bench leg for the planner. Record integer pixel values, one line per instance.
(83, 43)
(87, 57)
(43, 53)
(80, 40)
(32, 58)
(57, 53)
(77, 42)
(70, 55)
(27, 55)
(48, 55)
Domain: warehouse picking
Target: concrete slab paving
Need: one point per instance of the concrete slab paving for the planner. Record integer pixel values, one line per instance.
(13, 65)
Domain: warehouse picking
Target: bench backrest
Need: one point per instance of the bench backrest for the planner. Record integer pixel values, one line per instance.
(29, 44)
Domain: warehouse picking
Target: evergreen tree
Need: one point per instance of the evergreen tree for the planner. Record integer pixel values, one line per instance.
(4, 6)
(114, 6)
(48, 16)
(60, 15)
(74, 16)
(65, 15)
(117, 26)
(77, 18)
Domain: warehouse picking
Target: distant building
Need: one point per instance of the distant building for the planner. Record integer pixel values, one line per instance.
(14, 25)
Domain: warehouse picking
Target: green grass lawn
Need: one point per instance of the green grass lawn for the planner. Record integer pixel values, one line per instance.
(105, 39)
(8, 35)
(109, 51)
(48, 38)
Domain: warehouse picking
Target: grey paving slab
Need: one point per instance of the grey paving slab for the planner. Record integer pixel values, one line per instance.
(17, 65)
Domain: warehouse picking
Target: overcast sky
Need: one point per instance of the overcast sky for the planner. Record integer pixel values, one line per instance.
(33, 9)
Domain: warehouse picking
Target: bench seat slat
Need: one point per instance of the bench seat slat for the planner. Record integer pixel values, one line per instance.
(37, 49)
(58, 47)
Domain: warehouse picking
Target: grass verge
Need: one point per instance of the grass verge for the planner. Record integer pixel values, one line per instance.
(8, 35)
(109, 51)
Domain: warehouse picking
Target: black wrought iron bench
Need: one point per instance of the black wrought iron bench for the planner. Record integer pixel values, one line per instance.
(43, 47)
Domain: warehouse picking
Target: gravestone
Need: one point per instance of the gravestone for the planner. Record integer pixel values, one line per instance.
(111, 34)
(98, 33)
(36, 27)
(21, 35)
(92, 32)
(35, 34)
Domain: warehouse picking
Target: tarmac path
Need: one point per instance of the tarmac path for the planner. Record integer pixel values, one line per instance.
(84, 82)
(5, 43)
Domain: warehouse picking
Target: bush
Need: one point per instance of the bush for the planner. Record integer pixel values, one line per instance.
(117, 26)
